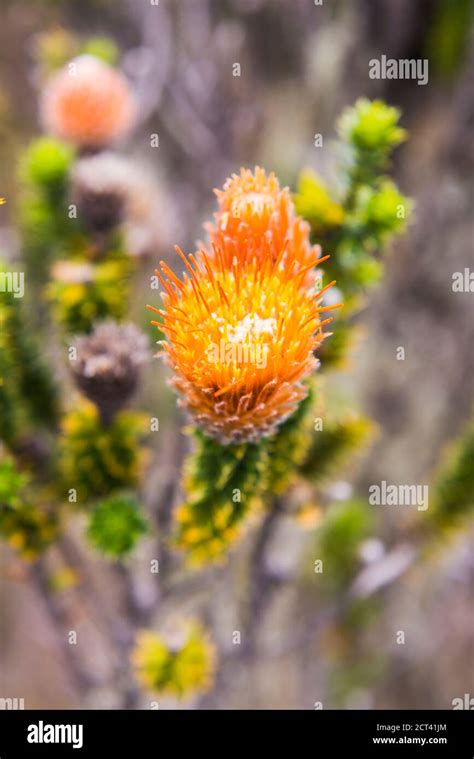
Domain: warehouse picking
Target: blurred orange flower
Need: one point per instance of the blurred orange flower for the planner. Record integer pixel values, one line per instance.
(88, 103)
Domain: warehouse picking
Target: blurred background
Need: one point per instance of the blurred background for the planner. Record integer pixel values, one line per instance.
(301, 64)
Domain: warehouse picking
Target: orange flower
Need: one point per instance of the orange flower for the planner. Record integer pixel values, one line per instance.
(240, 339)
(252, 209)
(88, 103)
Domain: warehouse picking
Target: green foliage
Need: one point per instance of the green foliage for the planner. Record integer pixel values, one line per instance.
(180, 666)
(46, 164)
(91, 278)
(101, 47)
(454, 489)
(97, 460)
(379, 213)
(338, 540)
(314, 202)
(22, 368)
(28, 528)
(9, 406)
(43, 217)
(28, 367)
(222, 485)
(355, 271)
(370, 128)
(12, 483)
(77, 305)
(287, 449)
(355, 225)
(57, 46)
(116, 525)
(333, 444)
(448, 36)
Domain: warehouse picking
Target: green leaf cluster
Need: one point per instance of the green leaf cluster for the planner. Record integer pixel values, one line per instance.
(95, 460)
(222, 485)
(116, 524)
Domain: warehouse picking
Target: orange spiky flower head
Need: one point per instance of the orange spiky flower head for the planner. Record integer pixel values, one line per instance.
(88, 103)
(254, 208)
(243, 323)
(240, 341)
